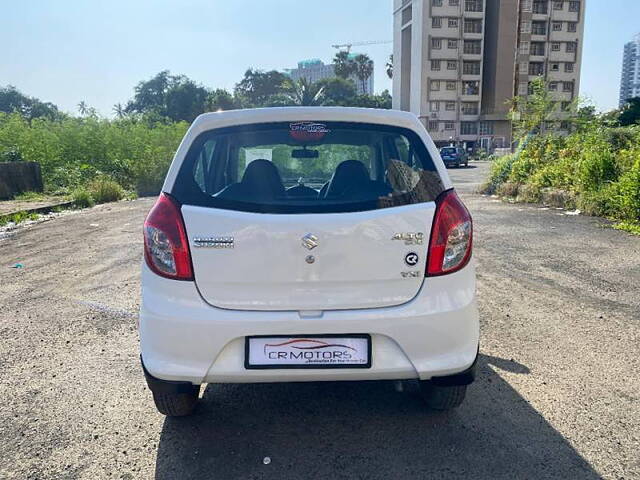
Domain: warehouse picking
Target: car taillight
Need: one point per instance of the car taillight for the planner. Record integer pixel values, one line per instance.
(451, 236)
(166, 248)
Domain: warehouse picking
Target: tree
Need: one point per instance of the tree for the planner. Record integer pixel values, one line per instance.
(305, 93)
(85, 110)
(374, 101)
(12, 100)
(389, 67)
(529, 113)
(119, 110)
(630, 112)
(338, 91)
(150, 95)
(176, 97)
(220, 99)
(185, 100)
(256, 88)
(343, 65)
(363, 68)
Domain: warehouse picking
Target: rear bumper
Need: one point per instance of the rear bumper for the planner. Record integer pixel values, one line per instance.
(184, 339)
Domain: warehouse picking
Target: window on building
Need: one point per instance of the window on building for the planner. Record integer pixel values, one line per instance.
(469, 108)
(536, 68)
(555, 67)
(436, 3)
(450, 106)
(452, 65)
(564, 106)
(538, 28)
(540, 6)
(433, 126)
(567, 86)
(454, 3)
(452, 44)
(558, 5)
(523, 68)
(436, 22)
(406, 15)
(564, 125)
(557, 26)
(538, 48)
(574, 6)
(553, 86)
(435, 65)
(555, 47)
(473, 47)
(526, 5)
(453, 23)
(473, 5)
(468, 128)
(568, 67)
(571, 47)
(525, 26)
(434, 106)
(449, 126)
(471, 68)
(471, 87)
(472, 25)
(451, 85)
(572, 27)
(436, 43)
(435, 85)
(524, 48)
(486, 128)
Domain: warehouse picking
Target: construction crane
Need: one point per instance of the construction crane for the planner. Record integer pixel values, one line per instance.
(348, 46)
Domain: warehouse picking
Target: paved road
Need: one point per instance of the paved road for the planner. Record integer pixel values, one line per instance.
(558, 395)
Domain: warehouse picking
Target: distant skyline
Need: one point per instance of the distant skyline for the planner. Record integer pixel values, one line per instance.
(70, 51)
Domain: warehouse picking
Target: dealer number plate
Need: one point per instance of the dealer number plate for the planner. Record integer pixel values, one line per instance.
(308, 351)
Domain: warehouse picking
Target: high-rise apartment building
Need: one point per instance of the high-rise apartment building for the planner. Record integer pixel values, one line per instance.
(630, 83)
(457, 63)
(314, 70)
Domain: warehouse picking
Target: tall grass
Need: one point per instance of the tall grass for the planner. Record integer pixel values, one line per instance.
(597, 168)
(73, 152)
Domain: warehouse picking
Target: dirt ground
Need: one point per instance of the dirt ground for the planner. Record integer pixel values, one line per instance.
(558, 393)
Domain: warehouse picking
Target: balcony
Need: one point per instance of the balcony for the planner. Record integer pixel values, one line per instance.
(563, 36)
(562, 56)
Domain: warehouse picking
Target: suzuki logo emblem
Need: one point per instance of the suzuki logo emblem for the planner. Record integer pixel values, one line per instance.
(309, 241)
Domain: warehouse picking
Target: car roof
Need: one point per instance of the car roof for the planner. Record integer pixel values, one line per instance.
(208, 121)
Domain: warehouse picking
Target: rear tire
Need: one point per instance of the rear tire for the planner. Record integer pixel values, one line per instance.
(177, 404)
(442, 398)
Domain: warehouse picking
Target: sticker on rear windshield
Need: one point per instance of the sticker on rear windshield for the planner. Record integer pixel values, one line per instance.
(307, 131)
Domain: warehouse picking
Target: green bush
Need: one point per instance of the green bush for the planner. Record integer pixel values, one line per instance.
(596, 169)
(82, 198)
(498, 174)
(134, 152)
(105, 190)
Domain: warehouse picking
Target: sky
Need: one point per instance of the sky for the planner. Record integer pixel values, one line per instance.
(67, 51)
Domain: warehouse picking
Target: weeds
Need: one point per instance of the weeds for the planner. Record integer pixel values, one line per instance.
(596, 170)
(18, 217)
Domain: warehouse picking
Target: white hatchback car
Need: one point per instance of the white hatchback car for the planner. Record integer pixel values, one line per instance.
(307, 244)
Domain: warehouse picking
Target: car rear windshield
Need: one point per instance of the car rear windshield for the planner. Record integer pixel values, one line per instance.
(447, 151)
(307, 167)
